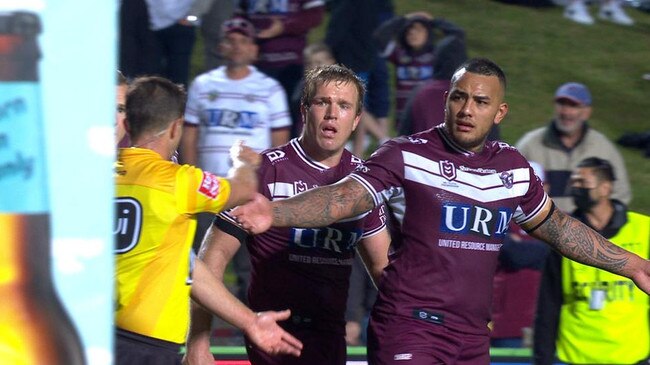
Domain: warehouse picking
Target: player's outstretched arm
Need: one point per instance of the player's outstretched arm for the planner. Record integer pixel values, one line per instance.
(209, 290)
(578, 242)
(314, 208)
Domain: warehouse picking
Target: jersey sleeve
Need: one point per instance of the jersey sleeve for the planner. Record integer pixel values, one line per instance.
(382, 174)
(200, 191)
(193, 107)
(375, 221)
(534, 202)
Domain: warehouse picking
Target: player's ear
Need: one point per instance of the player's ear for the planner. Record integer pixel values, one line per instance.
(176, 127)
(357, 119)
(501, 113)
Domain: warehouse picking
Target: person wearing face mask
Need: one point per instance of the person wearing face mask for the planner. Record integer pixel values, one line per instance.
(588, 315)
(567, 140)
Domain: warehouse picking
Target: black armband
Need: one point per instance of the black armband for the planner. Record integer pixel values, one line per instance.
(230, 228)
(550, 213)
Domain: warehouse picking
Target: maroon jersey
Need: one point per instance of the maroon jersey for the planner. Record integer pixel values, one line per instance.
(297, 16)
(306, 270)
(452, 208)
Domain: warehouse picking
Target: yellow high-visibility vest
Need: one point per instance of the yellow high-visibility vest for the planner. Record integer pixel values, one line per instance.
(614, 330)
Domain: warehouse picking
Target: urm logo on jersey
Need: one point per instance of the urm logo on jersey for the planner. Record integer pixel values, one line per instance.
(328, 238)
(474, 220)
(128, 223)
(232, 119)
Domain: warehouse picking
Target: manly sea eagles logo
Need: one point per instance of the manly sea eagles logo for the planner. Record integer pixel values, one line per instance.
(448, 170)
(507, 179)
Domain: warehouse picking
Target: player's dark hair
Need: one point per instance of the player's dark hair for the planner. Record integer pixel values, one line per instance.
(152, 103)
(601, 167)
(481, 66)
(332, 73)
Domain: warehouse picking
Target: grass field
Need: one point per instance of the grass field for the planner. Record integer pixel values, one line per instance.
(539, 50)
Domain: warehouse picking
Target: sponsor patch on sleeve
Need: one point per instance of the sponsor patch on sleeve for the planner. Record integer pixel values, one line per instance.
(210, 185)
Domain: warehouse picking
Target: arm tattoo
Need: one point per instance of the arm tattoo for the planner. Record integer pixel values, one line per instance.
(322, 206)
(578, 242)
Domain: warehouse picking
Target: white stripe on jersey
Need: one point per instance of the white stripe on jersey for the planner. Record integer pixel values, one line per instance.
(483, 188)
(519, 216)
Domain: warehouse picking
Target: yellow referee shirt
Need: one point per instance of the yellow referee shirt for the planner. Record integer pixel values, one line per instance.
(155, 205)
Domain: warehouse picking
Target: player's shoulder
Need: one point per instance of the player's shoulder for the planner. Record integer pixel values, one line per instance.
(428, 137)
(351, 159)
(277, 156)
(505, 150)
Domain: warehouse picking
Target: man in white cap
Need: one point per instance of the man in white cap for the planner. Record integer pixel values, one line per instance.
(567, 140)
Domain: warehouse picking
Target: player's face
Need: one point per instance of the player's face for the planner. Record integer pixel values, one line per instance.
(474, 105)
(238, 49)
(570, 116)
(120, 113)
(330, 118)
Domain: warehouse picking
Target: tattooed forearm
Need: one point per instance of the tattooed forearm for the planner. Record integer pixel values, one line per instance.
(578, 242)
(322, 206)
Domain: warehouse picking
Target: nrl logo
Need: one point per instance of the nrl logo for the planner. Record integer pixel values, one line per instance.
(448, 170)
(507, 179)
(299, 187)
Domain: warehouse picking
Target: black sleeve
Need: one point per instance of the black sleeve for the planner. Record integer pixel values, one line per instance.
(547, 316)
(230, 228)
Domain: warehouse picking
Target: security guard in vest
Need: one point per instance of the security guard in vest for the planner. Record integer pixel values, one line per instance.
(591, 316)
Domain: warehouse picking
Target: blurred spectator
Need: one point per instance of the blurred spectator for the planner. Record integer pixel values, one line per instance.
(218, 12)
(138, 45)
(589, 315)
(411, 43)
(230, 103)
(378, 90)
(282, 28)
(516, 284)
(349, 35)
(567, 140)
(610, 10)
(173, 23)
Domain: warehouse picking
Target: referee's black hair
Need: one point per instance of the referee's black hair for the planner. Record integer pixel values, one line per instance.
(152, 104)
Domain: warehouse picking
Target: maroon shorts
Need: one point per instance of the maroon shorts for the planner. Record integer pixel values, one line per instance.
(411, 341)
(319, 348)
